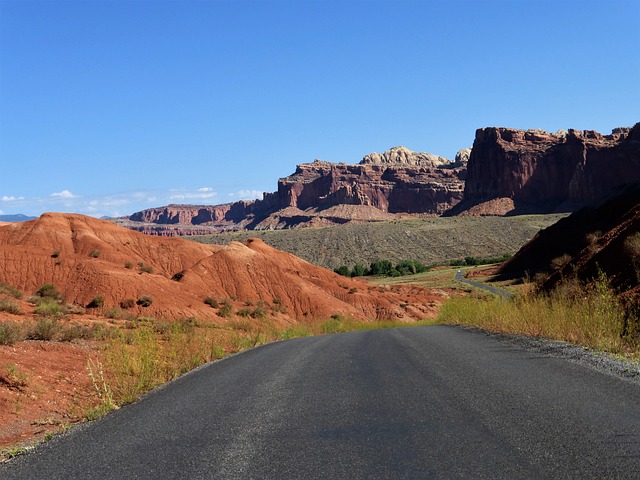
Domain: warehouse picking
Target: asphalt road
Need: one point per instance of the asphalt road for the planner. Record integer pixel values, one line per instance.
(501, 292)
(414, 403)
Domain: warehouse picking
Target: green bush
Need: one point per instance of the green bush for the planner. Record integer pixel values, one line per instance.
(381, 267)
(343, 270)
(359, 270)
(45, 329)
(49, 307)
(95, 253)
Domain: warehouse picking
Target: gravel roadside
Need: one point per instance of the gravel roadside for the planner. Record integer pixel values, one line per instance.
(604, 362)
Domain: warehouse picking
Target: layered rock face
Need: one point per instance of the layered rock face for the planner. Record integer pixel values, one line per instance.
(391, 188)
(517, 171)
(398, 181)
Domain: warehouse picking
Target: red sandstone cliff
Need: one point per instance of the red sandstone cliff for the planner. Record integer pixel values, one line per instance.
(395, 182)
(517, 171)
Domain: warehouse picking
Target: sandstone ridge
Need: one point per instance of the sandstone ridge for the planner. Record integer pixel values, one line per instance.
(381, 187)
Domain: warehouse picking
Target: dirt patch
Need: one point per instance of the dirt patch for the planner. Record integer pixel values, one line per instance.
(44, 387)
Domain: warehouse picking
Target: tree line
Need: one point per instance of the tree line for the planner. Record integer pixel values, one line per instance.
(386, 268)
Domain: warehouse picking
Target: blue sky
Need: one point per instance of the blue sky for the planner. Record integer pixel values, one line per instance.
(109, 107)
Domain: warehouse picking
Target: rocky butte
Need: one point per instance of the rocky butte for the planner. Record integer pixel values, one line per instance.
(398, 181)
(517, 171)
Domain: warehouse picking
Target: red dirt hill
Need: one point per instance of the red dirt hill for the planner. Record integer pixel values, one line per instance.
(85, 257)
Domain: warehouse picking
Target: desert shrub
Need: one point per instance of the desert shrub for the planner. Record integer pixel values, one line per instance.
(226, 309)
(44, 329)
(559, 262)
(10, 307)
(243, 325)
(212, 302)
(48, 290)
(48, 307)
(244, 312)
(128, 265)
(115, 312)
(10, 333)
(145, 301)
(95, 253)
(8, 289)
(55, 254)
(593, 237)
(127, 303)
(259, 312)
(632, 245)
(97, 302)
(15, 377)
(74, 332)
(146, 268)
(632, 249)
(77, 309)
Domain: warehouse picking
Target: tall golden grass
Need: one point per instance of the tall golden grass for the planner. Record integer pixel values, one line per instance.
(589, 315)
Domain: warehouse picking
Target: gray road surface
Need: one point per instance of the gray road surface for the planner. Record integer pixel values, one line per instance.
(414, 403)
(501, 292)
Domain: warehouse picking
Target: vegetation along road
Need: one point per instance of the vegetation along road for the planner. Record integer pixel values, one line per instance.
(410, 403)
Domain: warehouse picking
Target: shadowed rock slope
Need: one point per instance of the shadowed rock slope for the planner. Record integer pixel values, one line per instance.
(85, 257)
(602, 238)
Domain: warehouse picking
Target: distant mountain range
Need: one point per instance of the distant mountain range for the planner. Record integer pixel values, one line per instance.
(16, 218)
(506, 172)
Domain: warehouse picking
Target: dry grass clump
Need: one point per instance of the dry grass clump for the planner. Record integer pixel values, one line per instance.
(588, 315)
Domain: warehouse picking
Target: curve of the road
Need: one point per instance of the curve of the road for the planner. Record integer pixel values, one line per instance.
(413, 403)
(501, 292)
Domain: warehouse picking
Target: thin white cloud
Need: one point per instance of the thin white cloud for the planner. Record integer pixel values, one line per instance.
(107, 205)
(249, 194)
(186, 195)
(64, 194)
(1, 212)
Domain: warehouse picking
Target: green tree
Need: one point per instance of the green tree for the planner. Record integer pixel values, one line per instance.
(342, 270)
(359, 270)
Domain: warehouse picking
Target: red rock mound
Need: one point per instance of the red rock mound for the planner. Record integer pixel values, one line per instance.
(85, 257)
